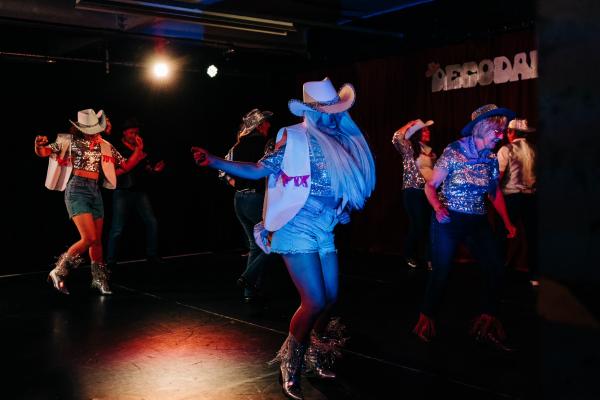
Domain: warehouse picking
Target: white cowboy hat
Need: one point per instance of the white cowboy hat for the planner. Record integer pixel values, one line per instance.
(520, 125)
(321, 96)
(90, 122)
(417, 127)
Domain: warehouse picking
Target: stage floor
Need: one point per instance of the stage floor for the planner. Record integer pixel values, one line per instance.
(180, 331)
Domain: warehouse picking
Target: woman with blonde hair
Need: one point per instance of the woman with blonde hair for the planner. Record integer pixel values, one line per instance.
(320, 170)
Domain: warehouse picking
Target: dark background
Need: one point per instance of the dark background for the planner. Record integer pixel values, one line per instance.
(194, 209)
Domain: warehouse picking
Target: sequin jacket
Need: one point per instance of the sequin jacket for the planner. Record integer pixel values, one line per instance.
(412, 178)
(469, 180)
(86, 154)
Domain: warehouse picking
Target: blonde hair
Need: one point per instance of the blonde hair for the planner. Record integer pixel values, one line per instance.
(349, 159)
(483, 126)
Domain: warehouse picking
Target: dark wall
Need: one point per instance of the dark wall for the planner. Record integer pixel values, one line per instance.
(194, 208)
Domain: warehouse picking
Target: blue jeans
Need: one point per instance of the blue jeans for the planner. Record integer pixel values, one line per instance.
(477, 232)
(419, 214)
(248, 207)
(126, 202)
(82, 196)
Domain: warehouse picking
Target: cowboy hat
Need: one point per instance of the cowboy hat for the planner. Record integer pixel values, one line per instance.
(252, 119)
(131, 122)
(483, 112)
(90, 122)
(520, 125)
(321, 96)
(416, 127)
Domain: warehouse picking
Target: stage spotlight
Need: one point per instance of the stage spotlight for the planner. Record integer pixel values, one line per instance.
(161, 70)
(212, 71)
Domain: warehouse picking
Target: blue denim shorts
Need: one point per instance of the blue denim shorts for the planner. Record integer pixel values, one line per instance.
(82, 196)
(310, 231)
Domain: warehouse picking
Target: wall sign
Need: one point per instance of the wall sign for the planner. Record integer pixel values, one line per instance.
(470, 74)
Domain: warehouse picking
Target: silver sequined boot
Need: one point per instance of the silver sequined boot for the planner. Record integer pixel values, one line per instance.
(324, 349)
(291, 357)
(100, 278)
(61, 269)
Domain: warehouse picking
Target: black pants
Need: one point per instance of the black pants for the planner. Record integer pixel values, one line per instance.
(419, 214)
(477, 232)
(522, 211)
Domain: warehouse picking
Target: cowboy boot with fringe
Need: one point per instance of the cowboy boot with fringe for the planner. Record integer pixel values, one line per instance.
(324, 349)
(100, 278)
(61, 270)
(291, 357)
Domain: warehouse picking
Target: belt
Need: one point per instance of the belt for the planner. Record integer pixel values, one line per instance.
(246, 191)
(86, 174)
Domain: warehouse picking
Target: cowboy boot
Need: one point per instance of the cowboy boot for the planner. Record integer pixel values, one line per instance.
(100, 277)
(291, 357)
(324, 349)
(61, 270)
(488, 329)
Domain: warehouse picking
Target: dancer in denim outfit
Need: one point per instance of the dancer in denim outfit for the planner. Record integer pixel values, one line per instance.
(87, 153)
(468, 172)
(320, 170)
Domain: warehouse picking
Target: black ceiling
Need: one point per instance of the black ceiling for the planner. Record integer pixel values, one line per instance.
(281, 30)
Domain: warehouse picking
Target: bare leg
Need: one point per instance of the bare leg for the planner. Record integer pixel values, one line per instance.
(330, 270)
(96, 248)
(307, 274)
(87, 231)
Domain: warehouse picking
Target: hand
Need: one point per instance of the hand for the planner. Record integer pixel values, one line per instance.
(512, 230)
(41, 141)
(344, 218)
(159, 167)
(202, 157)
(139, 143)
(442, 215)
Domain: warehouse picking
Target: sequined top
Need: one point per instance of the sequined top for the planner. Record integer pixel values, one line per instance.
(320, 181)
(86, 153)
(471, 176)
(412, 177)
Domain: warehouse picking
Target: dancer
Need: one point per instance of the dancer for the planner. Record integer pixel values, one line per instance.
(320, 170)
(468, 173)
(249, 196)
(84, 152)
(412, 141)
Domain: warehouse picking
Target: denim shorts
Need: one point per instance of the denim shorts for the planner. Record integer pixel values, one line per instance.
(309, 231)
(82, 196)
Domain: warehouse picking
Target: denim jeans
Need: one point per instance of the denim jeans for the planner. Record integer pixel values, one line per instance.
(82, 196)
(126, 202)
(419, 214)
(248, 207)
(477, 232)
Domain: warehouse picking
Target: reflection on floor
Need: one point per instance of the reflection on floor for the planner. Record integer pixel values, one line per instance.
(181, 331)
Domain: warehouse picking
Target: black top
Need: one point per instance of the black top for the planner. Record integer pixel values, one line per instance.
(138, 178)
(250, 148)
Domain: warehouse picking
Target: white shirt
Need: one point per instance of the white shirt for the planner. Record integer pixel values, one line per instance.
(517, 161)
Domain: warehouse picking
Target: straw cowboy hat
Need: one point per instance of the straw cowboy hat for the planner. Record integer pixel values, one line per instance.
(417, 127)
(483, 112)
(321, 96)
(520, 125)
(252, 119)
(90, 122)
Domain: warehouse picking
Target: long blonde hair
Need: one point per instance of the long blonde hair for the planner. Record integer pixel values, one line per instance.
(349, 159)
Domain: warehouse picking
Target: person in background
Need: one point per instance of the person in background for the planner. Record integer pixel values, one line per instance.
(468, 174)
(131, 195)
(251, 146)
(412, 141)
(517, 160)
